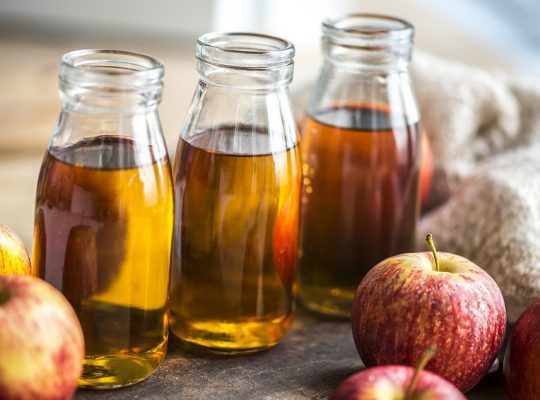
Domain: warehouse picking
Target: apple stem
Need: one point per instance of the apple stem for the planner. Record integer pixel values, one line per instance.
(431, 244)
(424, 359)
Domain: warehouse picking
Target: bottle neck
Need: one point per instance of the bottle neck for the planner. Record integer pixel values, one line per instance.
(109, 96)
(245, 79)
(102, 100)
(385, 60)
(368, 42)
(244, 61)
(241, 104)
(110, 81)
(258, 121)
(365, 85)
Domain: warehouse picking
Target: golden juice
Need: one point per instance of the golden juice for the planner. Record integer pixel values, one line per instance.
(359, 199)
(236, 230)
(102, 237)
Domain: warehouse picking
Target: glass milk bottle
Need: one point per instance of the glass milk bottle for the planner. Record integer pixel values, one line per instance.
(104, 211)
(237, 184)
(361, 155)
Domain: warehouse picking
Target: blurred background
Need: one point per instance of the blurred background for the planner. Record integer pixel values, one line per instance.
(499, 35)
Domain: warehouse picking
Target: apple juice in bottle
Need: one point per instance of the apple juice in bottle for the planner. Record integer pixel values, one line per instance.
(360, 160)
(237, 185)
(104, 211)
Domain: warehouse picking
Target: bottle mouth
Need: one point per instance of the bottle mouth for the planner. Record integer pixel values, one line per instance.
(367, 31)
(111, 69)
(242, 50)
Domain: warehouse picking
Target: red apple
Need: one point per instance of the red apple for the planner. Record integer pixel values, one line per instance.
(13, 256)
(41, 341)
(412, 301)
(393, 382)
(397, 382)
(522, 358)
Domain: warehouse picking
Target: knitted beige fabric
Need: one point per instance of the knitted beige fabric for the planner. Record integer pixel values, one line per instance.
(485, 200)
(494, 220)
(485, 133)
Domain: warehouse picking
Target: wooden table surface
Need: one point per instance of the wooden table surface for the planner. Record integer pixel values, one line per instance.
(308, 364)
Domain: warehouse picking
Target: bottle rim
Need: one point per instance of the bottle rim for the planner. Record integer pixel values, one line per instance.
(118, 69)
(367, 31)
(244, 50)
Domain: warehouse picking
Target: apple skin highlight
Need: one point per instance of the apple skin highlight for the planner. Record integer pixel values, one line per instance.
(521, 361)
(41, 341)
(403, 305)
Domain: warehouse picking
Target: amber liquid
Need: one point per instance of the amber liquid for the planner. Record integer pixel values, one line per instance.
(236, 230)
(102, 237)
(359, 200)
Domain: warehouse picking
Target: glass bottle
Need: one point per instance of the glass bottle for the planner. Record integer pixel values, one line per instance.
(237, 186)
(361, 155)
(104, 211)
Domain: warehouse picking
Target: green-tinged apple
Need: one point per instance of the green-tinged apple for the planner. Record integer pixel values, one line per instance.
(14, 259)
(396, 382)
(521, 364)
(41, 341)
(411, 301)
